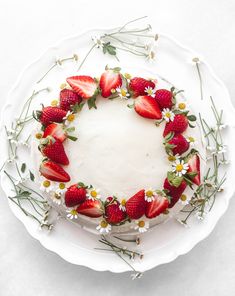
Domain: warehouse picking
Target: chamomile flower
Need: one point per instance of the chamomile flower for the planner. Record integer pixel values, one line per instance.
(98, 41)
(195, 60)
(122, 93)
(180, 167)
(54, 103)
(122, 205)
(93, 193)
(149, 195)
(60, 189)
(182, 106)
(150, 91)
(104, 227)
(70, 116)
(184, 199)
(72, 214)
(47, 186)
(141, 225)
(191, 140)
(168, 115)
(56, 198)
(173, 157)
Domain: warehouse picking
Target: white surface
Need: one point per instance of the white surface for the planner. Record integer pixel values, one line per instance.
(20, 255)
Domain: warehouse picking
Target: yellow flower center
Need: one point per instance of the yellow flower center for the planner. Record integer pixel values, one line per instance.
(149, 91)
(71, 117)
(191, 139)
(63, 85)
(182, 106)
(123, 92)
(54, 103)
(46, 183)
(73, 212)
(179, 168)
(149, 193)
(93, 193)
(141, 223)
(123, 202)
(113, 91)
(171, 158)
(38, 136)
(103, 224)
(62, 186)
(168, 114)
(183, 197)
(127, 76)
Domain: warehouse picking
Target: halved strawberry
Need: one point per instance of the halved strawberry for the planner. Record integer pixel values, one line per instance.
(49, 114)
(147, 107)
(55, 130)
(54, 150)
(138, 86)
(85, 86)
(156, 207)
(113, 213)
(69, 98)
(136, 205)
(174, 192)
(194, 167)
(178, 125)
(91, 208)
(109, 80)
(74, 195)
(53, 171)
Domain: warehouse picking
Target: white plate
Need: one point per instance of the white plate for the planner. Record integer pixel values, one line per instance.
(167, 241)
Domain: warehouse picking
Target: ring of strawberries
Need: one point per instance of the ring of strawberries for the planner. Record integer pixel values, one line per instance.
(148, 102)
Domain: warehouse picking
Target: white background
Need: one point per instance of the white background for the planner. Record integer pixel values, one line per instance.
(27, 28)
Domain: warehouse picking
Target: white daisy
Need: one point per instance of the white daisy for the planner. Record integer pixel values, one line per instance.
(191, 140)
(72, 214)
(93, 193)
(60, 188)
(47, 186)
(56, 198)
(98, 41)
(180, 167)
(150, 91)
(142, 226)
(221, 126)
(122, 93)
(104, 227)
(122, 205)
(149, 195)
(182, 106)
(184, 199)
(70, 116)
(168, 115)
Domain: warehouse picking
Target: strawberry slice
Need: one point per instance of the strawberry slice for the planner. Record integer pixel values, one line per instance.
(91, 208)
(53, 171)
(85, 86)
(55, 130)
(113, 213)
(135, 206)
(109, 80)
(156, 207)
(194, 167)
(147, 107)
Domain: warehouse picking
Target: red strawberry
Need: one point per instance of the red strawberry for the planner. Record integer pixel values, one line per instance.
(156, 207)
(55, 130)
(53, 171)
(68, 98)
(74, 195)
(164, 98)
(109, 80)
(194, 166)
(174, 192)
(50, 114)
(147, 107)
(54, 150)
(135, 206)
(91, 208)
(180, 144)
(113, 213)
(138, 85)
(178, 125)
(85, 86)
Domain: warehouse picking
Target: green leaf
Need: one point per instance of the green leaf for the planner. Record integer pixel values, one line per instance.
(91, 103)
(70, 129)
(192, 126)
(31, 175)
(168, 137)
(170, 176)
(77, 107)
(177, 181)
(25, 193)
(23, 167)
(72, 138)
(192, 118)
(81, 184)
(192, 174)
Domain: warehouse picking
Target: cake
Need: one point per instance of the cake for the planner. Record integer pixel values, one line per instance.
(118, 153)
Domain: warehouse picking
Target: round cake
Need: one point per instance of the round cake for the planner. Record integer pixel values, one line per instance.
(118, 153)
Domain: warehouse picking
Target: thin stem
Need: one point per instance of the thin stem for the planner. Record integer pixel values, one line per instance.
(86, 56)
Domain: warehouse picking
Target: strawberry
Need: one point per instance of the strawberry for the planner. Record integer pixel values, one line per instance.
(68, 98)
(147, 107)
(156, 207)
(113, 213)
(53, 171)
(85, 86)
(194, 167)
(135, 206)
(109, 80)
(177, 145)
(138, 85)
(91, 208)
(55, 130)
(54, 150)
(49, 114)
(178, 125)
(74, 195)
(164, 98)
(174, 192)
